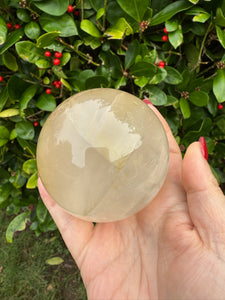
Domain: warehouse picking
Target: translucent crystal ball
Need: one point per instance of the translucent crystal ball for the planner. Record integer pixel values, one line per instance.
(102, 155)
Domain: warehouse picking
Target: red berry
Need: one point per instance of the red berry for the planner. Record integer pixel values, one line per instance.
(55, 82)
(165, 38)
(220, 106)
(47, 53)
(56, 61)
(58, 54)
(165, 30)
(17, 26)
(70, 9)
(36, 124)
(161, 64)
(48, 91)
(1, 78)
(76, 13)
(9, 25)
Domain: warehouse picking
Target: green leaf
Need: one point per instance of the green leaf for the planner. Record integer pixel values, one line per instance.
(143, 69)
(221, 35)
(176, 37)
(98, 81)
(171, 25)
(141, 81)
(3, 97)
(27, 95)
(185, 108)
(220, 19)
(23, 15)
(46, 102)
(159, 76)
(16, 87)
(4, 133)
(199, 98)
(202, 17)
(32, 181)
(173, 76)
(156, 96)
(41, 211)
(192, 54)
(3, 31)
(90, 28)
(25, 130)
(32, 30)
(66, 84)
(64, 24)
(9, 112)
(193, 1)
(53, 7)
(43, 63)
(5, 191)
(10, 61)
(12, 38)
(169, 11)
(65, 58)
(100, 13)
(119, 30)
(219, 86)
(17, 224)
(30, 166)
(28, 51)
(134, 8)
(194, 135)
(54, 261)
(47, 39)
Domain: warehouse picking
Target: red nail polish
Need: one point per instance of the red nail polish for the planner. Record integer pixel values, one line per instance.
(203, 147)
(147, 101)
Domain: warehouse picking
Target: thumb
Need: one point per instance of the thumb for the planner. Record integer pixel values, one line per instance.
(206, 202)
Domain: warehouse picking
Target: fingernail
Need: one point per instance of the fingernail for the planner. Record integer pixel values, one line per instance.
(204, 149)
(38, 175)
(147, 101)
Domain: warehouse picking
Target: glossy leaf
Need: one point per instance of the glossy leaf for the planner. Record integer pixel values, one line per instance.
(32, 181)
(65, 58)
(23, 15)
(173, 76)
(169, 11)
(143, 69)
(160, 75)
(9, 112)
(43, 63)
(156, 96)
(131, 53)
(3, 97)
(32, 30)
(25, 130)
(220, 19)
(12, 38)
(46, 102)
(202, 17)
(199, 98)
(64, 24)
(119, 30)
(5, 191)
(41, 211)
(219, 86)
(53, 7)
(47, 39)
(16, 87)
(30, 166)
(176, 37)
(171, 25)
(28, 51)
(221, 35)
(3, 31)
(134, 8)
(96, 82)
(185, 108)
(10, 61)
(90, 28)
(17, 224)
(27, 95)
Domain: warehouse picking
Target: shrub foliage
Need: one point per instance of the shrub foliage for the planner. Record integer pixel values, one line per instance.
(171, 52)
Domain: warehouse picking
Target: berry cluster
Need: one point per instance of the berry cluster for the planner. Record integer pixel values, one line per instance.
(57, 83)
(58, 55)
(165, 37)
(10, 26)
(70, 9)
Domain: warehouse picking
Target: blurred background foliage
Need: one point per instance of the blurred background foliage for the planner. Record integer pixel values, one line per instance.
(171, 52)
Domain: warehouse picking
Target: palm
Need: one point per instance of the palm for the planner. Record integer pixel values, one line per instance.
(159, 253)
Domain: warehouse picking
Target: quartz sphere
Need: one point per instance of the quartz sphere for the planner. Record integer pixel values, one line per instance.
(102, 155)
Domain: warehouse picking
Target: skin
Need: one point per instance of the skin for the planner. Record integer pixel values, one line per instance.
(172, 249)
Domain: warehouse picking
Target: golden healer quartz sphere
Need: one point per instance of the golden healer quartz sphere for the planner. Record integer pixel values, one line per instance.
(102, 155)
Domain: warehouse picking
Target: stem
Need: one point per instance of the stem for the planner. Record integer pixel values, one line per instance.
(202, 46)
(82, 10)
(104, 16)
(81, 54)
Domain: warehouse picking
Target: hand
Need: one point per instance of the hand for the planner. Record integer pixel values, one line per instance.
(172, 249)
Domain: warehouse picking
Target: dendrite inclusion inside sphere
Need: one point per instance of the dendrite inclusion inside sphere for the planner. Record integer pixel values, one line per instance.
(102, 155)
